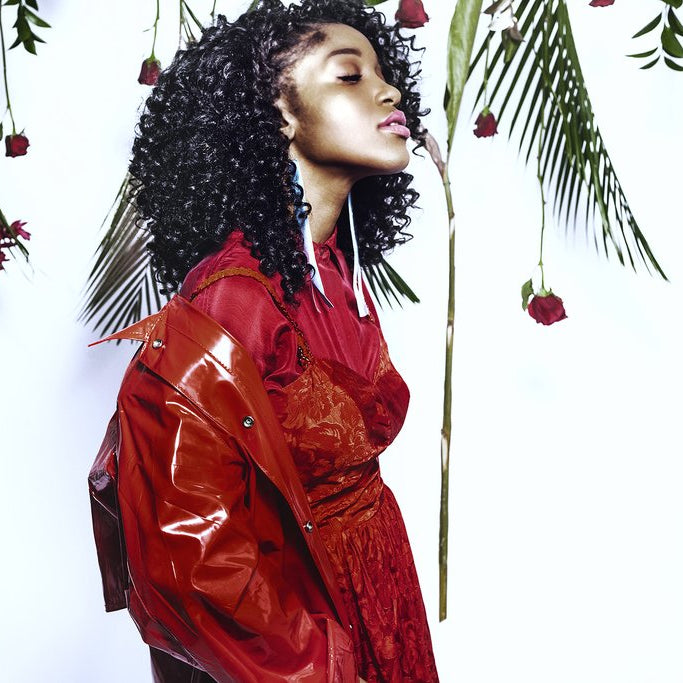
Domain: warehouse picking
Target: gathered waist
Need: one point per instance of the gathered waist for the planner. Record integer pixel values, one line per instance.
(351, 498)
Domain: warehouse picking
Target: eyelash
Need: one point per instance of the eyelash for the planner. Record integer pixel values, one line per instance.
(354, 78)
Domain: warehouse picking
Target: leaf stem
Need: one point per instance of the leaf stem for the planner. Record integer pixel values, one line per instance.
(541, 136)
(4, 74)
(154, 40)
(447, 399)
(486, 68)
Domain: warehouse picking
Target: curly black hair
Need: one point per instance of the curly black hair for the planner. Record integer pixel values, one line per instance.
(209, 155)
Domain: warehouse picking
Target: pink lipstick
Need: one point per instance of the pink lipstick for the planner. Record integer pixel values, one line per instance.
(396, 123)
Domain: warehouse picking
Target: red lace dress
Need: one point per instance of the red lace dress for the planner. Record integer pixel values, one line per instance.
(340, 406)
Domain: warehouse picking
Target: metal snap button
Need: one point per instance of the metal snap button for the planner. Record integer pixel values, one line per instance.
(157, 343)
(248, 421)
(308, 526)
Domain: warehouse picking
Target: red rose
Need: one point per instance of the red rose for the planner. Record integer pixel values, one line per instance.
(15, 145)
(2, 258)
(601, 3)
(486, 125)
(149, 71)
(546, 309)
(411, 14)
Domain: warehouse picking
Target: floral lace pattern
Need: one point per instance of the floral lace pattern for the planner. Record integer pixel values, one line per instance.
(336, 424)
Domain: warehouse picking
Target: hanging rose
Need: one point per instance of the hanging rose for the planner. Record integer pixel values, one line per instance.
(544, 307)
(411, 14)
(15, 145)
(486, 124)
(601, 3)
(149, 71)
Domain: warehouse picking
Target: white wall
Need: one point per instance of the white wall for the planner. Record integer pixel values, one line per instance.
(566, 552)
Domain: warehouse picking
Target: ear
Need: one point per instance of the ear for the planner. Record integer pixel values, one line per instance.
(289, 128)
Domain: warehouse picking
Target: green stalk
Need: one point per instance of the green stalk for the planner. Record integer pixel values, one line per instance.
(541, 137)
(460, 44)
(539, 175)
(154, 40)
(447, 401)
(4, 72)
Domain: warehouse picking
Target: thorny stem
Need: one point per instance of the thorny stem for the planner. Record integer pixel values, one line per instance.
(4, 73)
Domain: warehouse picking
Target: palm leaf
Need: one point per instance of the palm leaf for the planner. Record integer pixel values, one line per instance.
(546, 79)
(121, 287)
(383, 278)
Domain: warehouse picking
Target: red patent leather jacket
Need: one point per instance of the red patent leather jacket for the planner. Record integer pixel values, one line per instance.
(202, 526)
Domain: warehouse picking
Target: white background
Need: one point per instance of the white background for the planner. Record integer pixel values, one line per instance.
(566, 557)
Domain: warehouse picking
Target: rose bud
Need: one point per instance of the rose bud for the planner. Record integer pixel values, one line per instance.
(601, 3)
(411, 14)
(2, 258)
(149, 71)
(546, 309)
(15, 145)
(486, 124)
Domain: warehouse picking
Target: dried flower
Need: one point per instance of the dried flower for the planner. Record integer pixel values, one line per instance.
(15, 145)
(19, 230)
(486, 124)
(411, 14)
(149, 71)
(601, 3)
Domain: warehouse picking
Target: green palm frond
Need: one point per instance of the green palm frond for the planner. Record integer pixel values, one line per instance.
(547, 80)
(383, 278)
(121, 288)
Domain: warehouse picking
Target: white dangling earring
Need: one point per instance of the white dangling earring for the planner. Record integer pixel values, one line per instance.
(357, 270)
(308, 243)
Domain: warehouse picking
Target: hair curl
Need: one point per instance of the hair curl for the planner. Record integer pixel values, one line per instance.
(209, 155)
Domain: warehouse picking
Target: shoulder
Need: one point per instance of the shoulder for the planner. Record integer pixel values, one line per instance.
(234, 252)
(241, 302)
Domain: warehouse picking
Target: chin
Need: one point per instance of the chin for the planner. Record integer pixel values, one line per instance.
(398, 163)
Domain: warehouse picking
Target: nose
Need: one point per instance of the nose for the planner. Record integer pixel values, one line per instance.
(387, 93)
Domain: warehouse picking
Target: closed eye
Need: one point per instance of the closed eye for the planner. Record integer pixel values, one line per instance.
(351, 77)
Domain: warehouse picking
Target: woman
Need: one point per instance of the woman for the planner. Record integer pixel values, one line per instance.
(269, 152)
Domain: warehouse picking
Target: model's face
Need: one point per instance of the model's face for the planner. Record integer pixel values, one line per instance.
(342, 102)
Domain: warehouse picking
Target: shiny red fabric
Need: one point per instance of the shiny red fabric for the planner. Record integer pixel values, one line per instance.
(338, 413)
(202, 526)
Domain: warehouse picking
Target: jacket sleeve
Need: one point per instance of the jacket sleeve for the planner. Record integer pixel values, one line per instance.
(209, 561)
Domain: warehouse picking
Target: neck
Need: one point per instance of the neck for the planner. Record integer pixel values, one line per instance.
(326, 190)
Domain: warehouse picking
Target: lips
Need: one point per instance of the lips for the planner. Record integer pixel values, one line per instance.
(396, 123)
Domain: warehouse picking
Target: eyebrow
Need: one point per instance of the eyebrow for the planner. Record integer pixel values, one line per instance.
(346, 51)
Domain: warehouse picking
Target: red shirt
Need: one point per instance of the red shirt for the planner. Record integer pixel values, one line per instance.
(244, 308)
